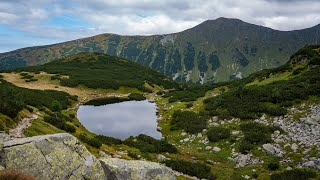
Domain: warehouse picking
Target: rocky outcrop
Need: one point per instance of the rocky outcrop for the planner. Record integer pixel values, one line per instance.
(118, 169)
(57, 156)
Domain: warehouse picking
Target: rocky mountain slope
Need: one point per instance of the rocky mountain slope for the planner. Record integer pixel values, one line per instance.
(215, 50)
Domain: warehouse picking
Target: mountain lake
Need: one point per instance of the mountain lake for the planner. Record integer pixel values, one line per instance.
(121, 120)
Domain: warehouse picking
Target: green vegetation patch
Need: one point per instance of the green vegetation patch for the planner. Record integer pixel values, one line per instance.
(189, 121)
(148, 144)
(96, 70)
(197, 169)
(255, 134)
(296, 174)
(13, 99)
(218, 133)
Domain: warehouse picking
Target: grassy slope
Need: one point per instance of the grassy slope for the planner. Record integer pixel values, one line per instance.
(95, 70)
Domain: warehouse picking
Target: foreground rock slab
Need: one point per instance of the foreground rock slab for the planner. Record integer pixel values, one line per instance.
(57, 156)
(118, 169)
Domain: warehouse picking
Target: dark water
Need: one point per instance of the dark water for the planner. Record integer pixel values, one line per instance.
(120, 120)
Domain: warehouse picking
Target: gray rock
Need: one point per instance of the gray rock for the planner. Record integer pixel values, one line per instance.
(235, 132)
(57, 156)
(183, 133)
(294, 147)
(118, 169)
(161, 158)
(216, 149)
(4, 137)
(245, 159)
(271, 149)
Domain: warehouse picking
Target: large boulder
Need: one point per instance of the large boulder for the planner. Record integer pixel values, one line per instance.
(57, 156)
(118, 169)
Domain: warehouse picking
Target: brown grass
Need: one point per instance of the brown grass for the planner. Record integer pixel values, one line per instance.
(13, 174)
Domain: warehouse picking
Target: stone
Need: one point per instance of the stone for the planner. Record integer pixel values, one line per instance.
(294, 147)
(208, 147)
(246, 177)
(276, 133)
(289, 168)
(235, 132)
(186, 140)
(57, 156)
(183, 133)
(216, 149)
(245, 159)
(271, 149)
(161, 158)
(117, 169)
(308, 121)
(215, 118)
(199, 135)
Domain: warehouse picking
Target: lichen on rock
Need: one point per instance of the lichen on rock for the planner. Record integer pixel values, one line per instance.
(117, 169)
(57, 156)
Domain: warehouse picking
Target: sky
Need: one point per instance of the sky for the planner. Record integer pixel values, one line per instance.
(25, 23)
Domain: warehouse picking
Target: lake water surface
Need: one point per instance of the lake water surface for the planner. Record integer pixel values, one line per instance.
(120, 120)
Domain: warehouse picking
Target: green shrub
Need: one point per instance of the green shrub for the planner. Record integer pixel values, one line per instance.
(197, 169)
(13, 99)
(59, 120)
(133, 155)
(189, 105)
(187, 93)
(315, 60)
(91, 141)
(148, 144)
(136, 97)
(255, 134)
(24, 74)
(56, 77)
(70, 128)
(296, 174)
(30, 109)
(245, 147)
(273, 166)
(108, 140)
(189, 121)
(218, 133)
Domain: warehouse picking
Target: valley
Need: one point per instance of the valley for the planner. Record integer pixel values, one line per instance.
(263, 126)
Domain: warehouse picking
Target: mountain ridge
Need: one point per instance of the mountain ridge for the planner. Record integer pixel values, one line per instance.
(213, 51)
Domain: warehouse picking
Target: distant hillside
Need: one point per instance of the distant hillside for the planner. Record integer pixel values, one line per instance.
(215, 50)
(96, 70)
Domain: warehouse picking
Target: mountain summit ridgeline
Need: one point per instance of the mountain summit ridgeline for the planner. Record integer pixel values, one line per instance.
(213, 51)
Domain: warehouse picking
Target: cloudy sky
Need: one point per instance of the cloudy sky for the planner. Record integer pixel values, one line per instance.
(37, 22)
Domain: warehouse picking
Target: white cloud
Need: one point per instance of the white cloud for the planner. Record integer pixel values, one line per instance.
(145, 17)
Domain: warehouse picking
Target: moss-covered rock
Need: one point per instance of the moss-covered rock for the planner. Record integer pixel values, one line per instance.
(57, 156)
(133, 170)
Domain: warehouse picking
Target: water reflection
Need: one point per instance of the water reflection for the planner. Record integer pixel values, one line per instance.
(121, 120)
